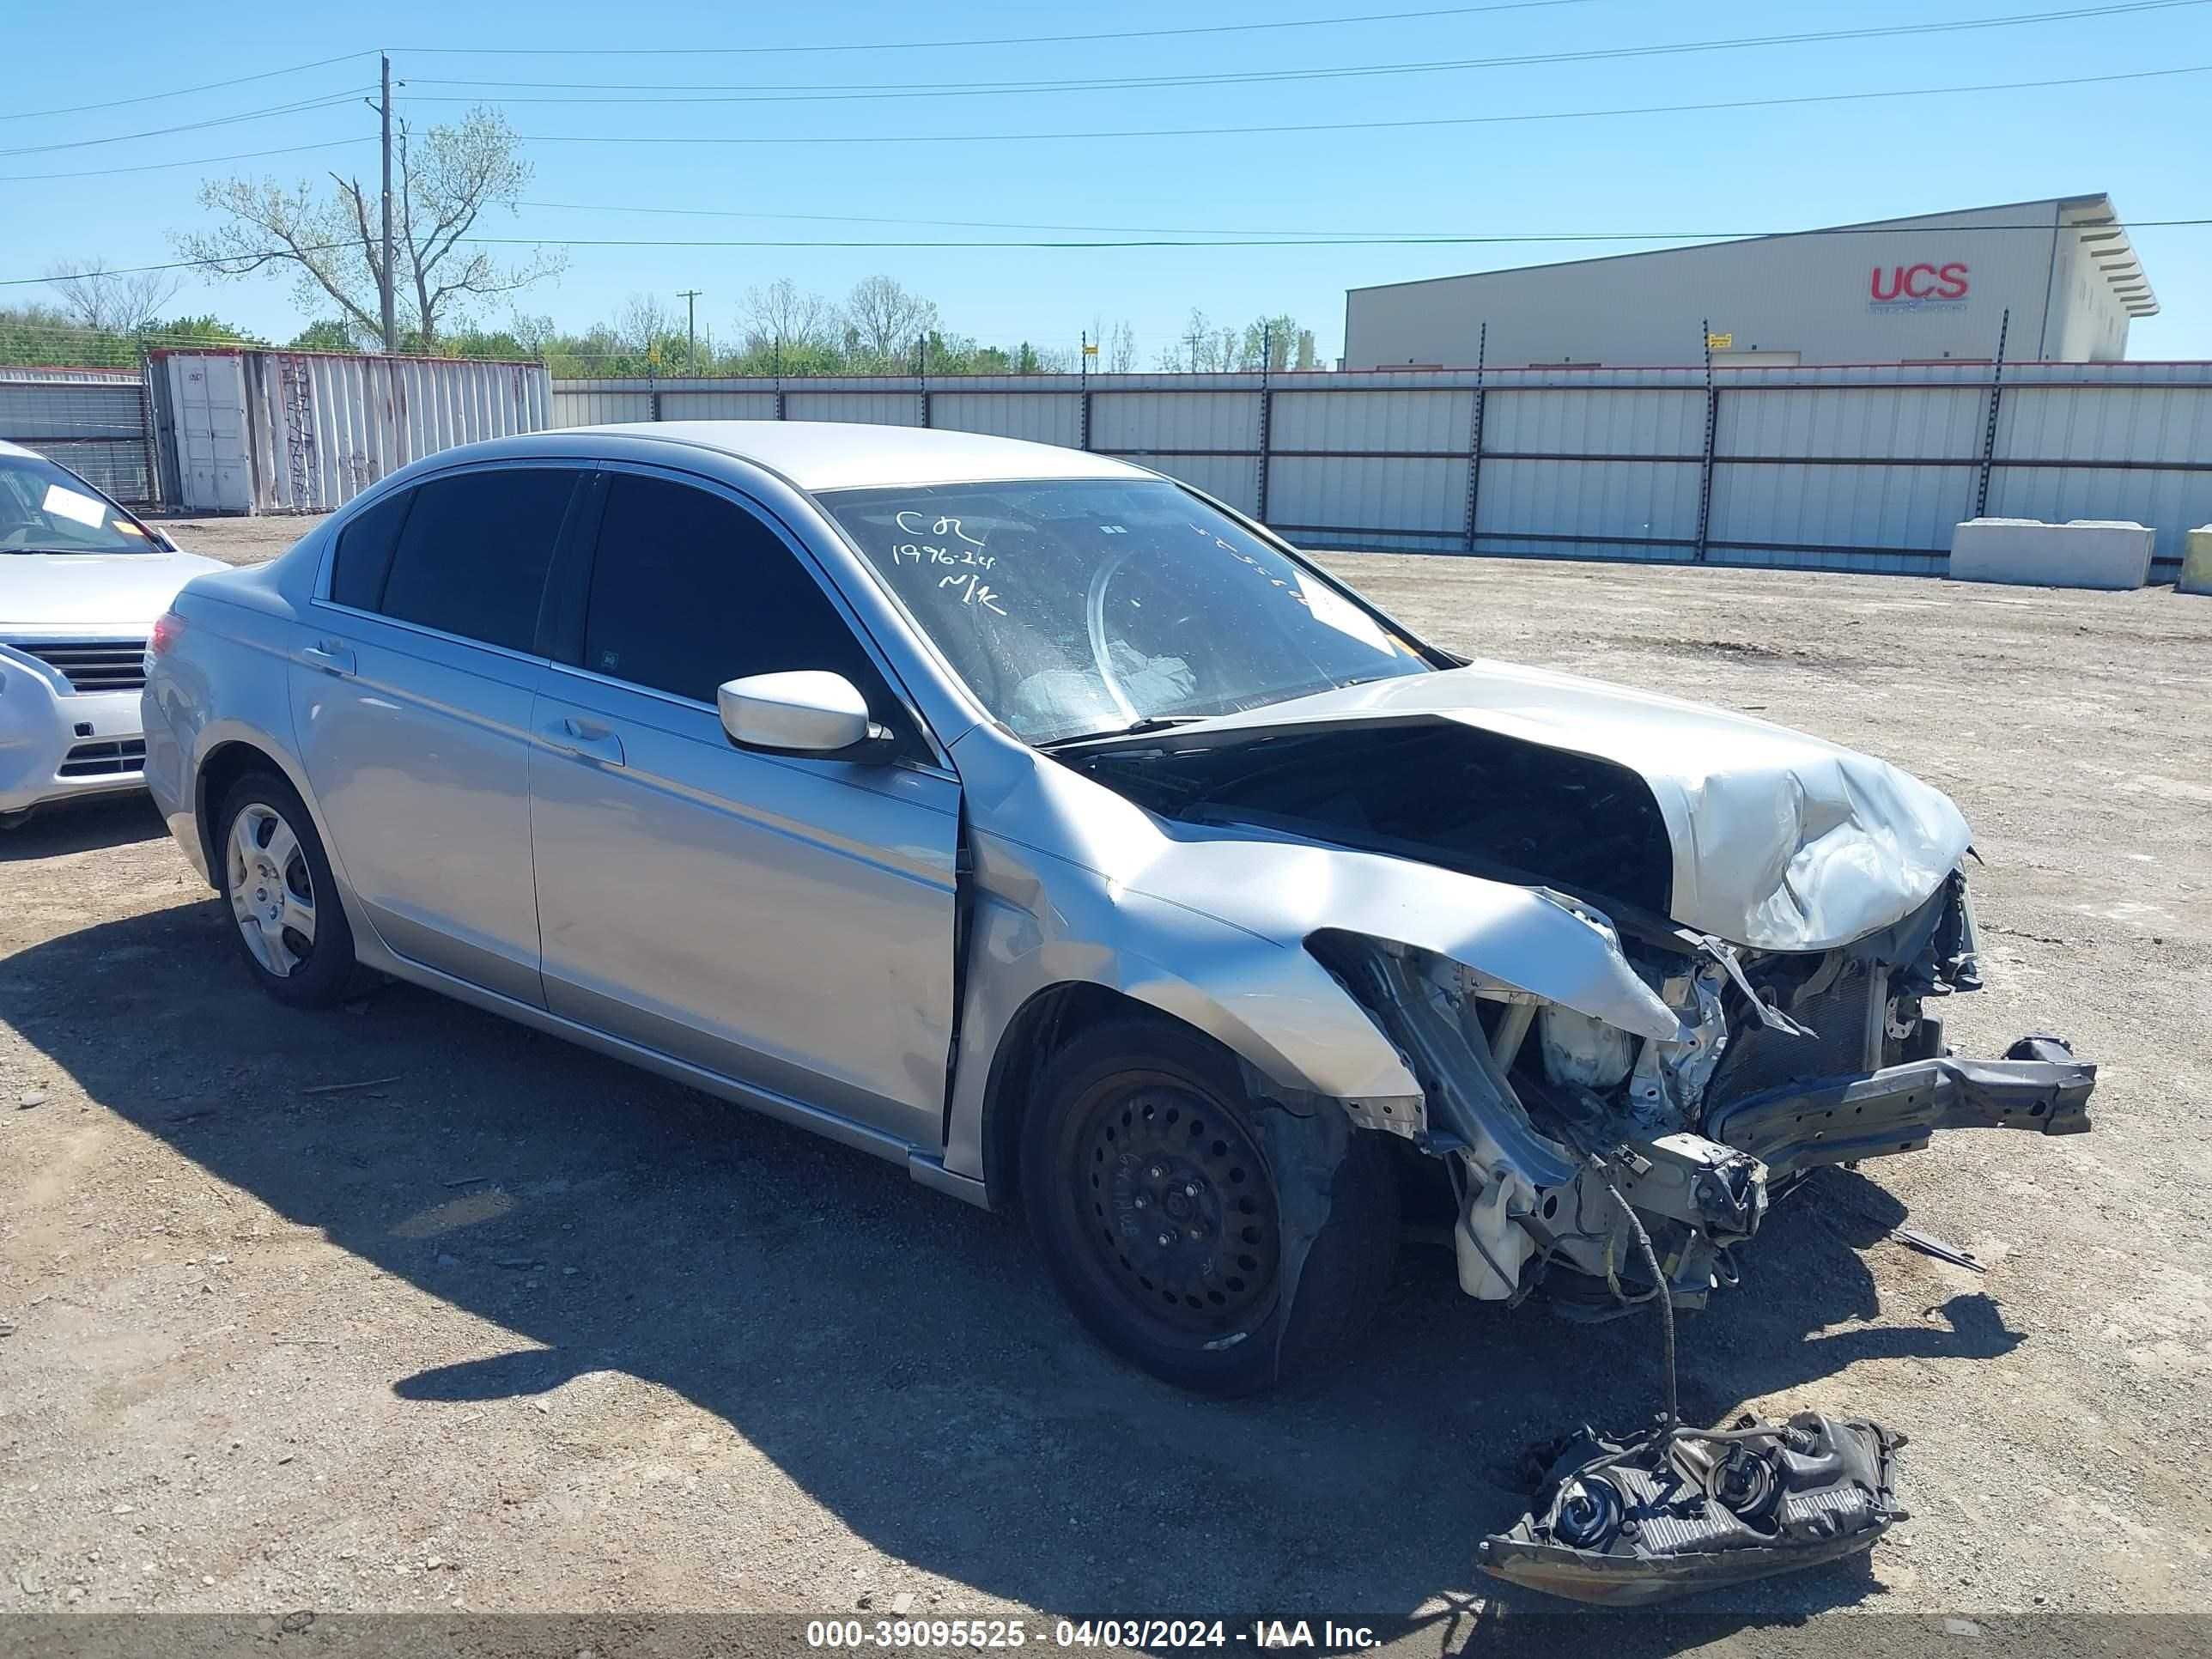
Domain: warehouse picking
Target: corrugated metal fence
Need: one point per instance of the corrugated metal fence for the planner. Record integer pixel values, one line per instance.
(1847, 468)
(91, 420)
(1833, 468)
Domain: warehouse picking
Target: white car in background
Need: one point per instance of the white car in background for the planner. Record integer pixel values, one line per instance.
(82, 582)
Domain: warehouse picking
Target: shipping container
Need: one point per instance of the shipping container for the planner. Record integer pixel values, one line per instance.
(259, 431)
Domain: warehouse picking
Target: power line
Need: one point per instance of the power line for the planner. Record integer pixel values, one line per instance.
(200, 161)
(942, 224)
(1271, 129)
(1147, 230)
(1621, 111)
(849, 92)
(180, 92)
(1201, 240)
(1408, 240)
(324, 101)
(1255, 130)
(997, 40)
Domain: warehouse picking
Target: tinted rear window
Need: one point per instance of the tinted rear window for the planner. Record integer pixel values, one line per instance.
(472, 557)
(364, 556)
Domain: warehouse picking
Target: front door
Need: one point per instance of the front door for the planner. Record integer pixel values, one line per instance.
(786, 922)
(412, 707)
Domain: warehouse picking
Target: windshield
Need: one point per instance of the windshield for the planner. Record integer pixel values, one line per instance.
(1074, 607)
(44, 509)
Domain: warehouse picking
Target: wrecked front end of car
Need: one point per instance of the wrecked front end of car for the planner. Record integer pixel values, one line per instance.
(1747, 941)
(1552, 1122)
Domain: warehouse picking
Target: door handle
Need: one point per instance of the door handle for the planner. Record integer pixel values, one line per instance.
(329, 656)
(581, 738)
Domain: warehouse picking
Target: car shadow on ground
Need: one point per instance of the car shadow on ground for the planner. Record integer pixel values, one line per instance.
(82, 826)
(899, 1356)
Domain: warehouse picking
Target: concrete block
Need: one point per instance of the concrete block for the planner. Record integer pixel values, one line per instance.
(2195, 562)
(2084, 553)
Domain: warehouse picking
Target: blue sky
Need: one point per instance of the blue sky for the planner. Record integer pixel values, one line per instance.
(2145, 141)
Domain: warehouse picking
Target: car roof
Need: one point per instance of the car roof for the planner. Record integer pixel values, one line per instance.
(7, 448)
(817, 455)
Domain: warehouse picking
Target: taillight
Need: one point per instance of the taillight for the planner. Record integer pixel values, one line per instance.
(168, 628)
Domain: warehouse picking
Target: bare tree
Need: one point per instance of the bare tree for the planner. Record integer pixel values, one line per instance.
(112, 302)
(332, 243)
(646, 320)
(1121, 347)
(1201, 348)
(1197, 339)
(1116, 343)
(885, 320)
(784, 317)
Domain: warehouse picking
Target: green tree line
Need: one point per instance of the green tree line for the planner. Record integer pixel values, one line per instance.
(42, 334)
(880, 328)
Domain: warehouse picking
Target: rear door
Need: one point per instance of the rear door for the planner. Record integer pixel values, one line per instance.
(412, 711)
(784, 922)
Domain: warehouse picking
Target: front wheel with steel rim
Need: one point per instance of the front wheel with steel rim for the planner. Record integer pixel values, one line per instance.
(1219, 1241)
(282, 899)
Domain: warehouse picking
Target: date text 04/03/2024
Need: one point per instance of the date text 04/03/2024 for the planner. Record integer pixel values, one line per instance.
(921, 1634)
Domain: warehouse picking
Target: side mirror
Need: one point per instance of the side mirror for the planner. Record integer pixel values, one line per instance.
(809, 711)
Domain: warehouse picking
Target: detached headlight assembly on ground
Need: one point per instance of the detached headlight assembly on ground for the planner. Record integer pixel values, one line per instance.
(1628, 1522)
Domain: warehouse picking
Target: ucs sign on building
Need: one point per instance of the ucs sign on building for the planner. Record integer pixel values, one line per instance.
(1919, 286)
(1900, 290)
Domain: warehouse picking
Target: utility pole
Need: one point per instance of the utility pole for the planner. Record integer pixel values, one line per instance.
(691, 298)
(391, 329)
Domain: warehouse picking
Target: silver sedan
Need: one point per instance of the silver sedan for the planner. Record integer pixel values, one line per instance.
(1030, 819)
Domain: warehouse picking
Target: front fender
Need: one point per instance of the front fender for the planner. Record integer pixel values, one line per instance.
(1072, 884)
(1040, 923)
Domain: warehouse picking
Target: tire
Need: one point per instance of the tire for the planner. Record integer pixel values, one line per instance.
(1142, 1124)
(274, 875)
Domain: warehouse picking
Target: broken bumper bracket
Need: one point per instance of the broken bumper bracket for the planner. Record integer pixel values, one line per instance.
(1896, 1109)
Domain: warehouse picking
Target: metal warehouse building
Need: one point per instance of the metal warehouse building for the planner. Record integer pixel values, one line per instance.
(1899, 290)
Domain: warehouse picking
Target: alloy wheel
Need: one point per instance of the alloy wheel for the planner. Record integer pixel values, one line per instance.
(272, 891)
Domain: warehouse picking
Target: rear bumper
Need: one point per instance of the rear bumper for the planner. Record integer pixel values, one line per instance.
(169, 777)
(57, 744)
(1896, 1109)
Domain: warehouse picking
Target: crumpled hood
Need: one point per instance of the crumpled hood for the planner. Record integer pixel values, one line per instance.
(56, 594)
(1781, 841)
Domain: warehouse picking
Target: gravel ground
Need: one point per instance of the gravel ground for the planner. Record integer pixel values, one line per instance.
(239, 541)
(507, 1326)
